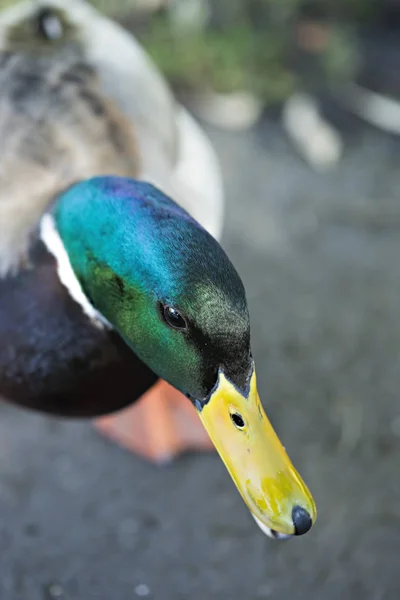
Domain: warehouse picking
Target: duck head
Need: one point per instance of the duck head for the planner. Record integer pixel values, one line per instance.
(168, 288)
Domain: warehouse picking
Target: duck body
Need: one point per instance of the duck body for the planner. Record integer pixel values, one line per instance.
(107, 284)
(53, 358)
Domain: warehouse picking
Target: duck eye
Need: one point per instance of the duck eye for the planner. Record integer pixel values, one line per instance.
(237, 420)
(174, 318)
(49, 25)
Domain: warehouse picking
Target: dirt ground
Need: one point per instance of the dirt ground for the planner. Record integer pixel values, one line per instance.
(320, 257)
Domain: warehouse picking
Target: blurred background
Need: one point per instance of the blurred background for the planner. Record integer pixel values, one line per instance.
(301, 101)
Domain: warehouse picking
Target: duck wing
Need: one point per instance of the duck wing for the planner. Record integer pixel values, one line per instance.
(56, 127)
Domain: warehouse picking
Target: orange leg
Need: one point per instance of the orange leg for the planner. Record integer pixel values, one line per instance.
(162, 424)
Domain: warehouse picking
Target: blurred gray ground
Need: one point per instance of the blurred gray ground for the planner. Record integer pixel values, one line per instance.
(320, 257)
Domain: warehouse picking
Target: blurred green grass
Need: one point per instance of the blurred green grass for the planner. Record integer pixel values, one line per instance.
(248, 44)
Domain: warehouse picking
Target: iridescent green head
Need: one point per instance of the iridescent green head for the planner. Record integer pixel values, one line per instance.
(163, 282)
(170, 291)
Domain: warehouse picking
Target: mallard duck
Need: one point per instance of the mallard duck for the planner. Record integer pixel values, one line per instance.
(107, 283)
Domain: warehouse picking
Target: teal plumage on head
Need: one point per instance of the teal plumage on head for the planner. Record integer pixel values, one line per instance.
(136, 252)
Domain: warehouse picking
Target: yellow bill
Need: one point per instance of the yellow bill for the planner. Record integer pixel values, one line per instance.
(277, 497)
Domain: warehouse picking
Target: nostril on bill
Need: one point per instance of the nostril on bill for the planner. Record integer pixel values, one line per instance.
(301, 520)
